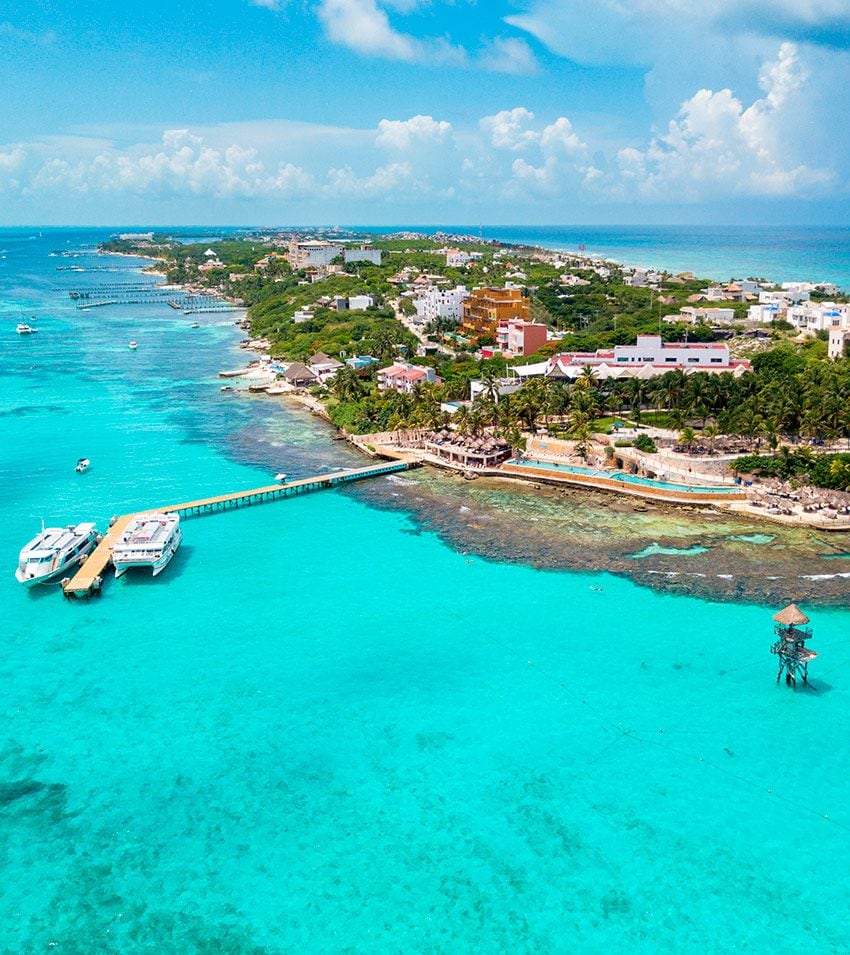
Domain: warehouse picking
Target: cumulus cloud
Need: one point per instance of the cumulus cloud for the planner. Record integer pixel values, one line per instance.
(510, 128)
(717, 146)
(400, 134)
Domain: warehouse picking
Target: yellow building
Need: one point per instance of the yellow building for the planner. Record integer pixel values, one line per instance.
(486, 307)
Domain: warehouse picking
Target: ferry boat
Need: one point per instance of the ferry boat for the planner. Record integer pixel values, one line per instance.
(54, 551)
(149, 540)
(23, 329)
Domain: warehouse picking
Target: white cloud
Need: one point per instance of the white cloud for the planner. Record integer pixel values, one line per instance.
(718, 147)
(363, 26)
(382, 183)
(560, 135)
(509, 128)
(641, 31)
(507, 55)
(400, 134)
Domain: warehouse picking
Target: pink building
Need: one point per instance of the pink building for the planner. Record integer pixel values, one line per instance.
(404, 377)
(516, 337)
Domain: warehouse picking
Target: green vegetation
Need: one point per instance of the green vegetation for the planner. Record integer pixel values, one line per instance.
(791, 393)
(644, 443)
(823, 470)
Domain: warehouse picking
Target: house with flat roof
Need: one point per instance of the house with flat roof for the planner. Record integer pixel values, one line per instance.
(516, 337)
(648, 357)
(486, 307)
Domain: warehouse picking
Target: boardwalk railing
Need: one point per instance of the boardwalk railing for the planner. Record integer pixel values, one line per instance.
(89, 577)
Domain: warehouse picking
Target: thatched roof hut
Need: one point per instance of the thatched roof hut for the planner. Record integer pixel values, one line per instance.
(299, 374)
(791, 616)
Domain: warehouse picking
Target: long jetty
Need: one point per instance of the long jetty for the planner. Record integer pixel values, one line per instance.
(89, 578)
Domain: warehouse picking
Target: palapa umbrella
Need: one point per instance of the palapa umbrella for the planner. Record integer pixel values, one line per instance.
(791, 616)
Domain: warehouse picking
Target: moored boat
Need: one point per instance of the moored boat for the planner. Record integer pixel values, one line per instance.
(133, 345)
(82, 465)
(54, 551)
(23, 329)
(149, 540)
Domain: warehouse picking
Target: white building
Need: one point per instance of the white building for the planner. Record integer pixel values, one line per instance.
(819, 316)
(764, 314)
(359, 303)
(648, 357)
(455, 258)
(323, 366)
(748, 286)
(435, 303)
(711, 316)
(791, 296)
(643, 278)
(838, 341)
(302, 315)
(651, 350)
(313, 253)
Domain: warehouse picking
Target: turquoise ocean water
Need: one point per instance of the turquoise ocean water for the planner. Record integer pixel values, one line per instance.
(778, 253)
(323, 730)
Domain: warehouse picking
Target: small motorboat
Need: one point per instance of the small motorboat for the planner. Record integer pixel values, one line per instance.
(82, 465)
(195, 325)
(23, 329)
(280, 477)
(133, 345)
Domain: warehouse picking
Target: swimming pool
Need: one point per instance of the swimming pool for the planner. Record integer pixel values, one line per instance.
(630, 478)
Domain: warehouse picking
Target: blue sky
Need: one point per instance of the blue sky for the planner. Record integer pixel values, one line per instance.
(373, 111)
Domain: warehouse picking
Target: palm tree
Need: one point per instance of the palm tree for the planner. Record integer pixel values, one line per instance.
(711, 433)
(516, 440)
(490, 380)
(460, 419)
(346, 384)
(688, 438)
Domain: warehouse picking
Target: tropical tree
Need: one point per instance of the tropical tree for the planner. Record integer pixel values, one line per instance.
(346, 384)
(688, 438)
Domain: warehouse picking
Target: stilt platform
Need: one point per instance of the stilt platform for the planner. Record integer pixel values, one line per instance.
(89, 578)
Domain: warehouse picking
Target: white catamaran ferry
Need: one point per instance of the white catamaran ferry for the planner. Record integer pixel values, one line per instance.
(149, 540)
(54, 550)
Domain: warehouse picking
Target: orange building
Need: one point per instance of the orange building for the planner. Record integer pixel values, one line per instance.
(485, 308)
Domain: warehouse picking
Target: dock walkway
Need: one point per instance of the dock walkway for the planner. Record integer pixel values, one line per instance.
(89, 578)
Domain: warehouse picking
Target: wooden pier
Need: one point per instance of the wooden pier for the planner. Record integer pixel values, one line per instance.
(89, 578)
